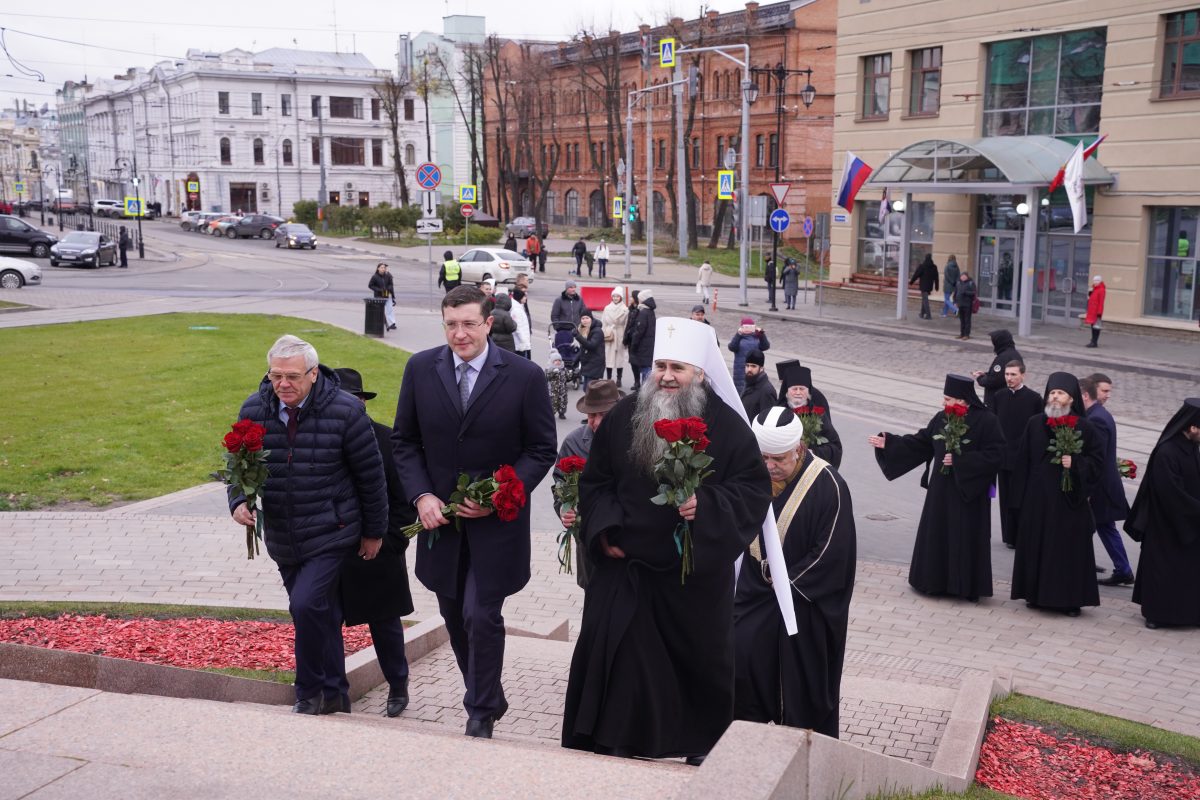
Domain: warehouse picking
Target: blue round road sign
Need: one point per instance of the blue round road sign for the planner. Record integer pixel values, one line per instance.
(780, 219)
(428, 176)
(808, 226)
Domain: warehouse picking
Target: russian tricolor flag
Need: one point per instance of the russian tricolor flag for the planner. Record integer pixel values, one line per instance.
(854, 175)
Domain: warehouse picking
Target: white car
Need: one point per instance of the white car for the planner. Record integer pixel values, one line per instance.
(15, 273)
(494, 262)
(108, 208)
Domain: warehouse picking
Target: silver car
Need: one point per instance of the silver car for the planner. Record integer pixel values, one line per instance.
(15, 273)
(494, 262)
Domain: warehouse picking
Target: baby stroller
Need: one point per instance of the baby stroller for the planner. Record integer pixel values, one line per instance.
(562, 339)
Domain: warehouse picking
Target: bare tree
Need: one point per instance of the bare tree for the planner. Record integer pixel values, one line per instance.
(495, 64)
(599, 77)
(537, 143)
(427, 83)
(391, 92)
(473, 112)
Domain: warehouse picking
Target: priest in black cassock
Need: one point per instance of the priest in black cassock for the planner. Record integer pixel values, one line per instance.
(796, 680)
(1055, 566)
(952, 552)
(1165, 518)
(796, 391)
(1014, 406)
(653, 670)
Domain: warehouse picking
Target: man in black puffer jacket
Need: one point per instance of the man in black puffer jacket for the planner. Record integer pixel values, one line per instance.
(325, 500)
(992, 380)
(641, 340)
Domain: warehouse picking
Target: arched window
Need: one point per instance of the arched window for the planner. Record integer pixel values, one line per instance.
(716, 84)
(551, 204)
(410, 155)
(728, 84)
(258, 151)
(572, 210)
(287, 151)
(226, 155)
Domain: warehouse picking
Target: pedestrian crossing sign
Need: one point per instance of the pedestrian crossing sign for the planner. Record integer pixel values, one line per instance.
(618, 207)
(666, 53)
(133, 207)
(466, 193)
(724, 184)
(19, 187)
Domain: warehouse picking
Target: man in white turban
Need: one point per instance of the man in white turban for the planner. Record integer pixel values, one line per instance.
(653, 670)
(796, 680)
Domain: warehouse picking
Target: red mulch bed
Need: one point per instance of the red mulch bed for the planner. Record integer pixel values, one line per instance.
(1028, 762)
(185, 642)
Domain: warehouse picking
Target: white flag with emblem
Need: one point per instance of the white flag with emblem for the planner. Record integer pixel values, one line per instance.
(1073, 183)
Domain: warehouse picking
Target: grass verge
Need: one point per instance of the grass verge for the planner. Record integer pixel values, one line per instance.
(285, 676)
(46, 608)
(973, 793)
(128, 409)
(7, 304)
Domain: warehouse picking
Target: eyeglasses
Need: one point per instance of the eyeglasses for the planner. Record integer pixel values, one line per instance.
(462, 326)
(290, 377)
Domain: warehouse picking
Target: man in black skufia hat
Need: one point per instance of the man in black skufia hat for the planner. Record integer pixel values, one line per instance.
(376, 592)
(952, 552)
(1165, 518)
(992, 380)
(1055, 566)
(796, 391)
(758, 394)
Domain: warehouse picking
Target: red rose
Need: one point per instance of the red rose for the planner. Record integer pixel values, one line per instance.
(245, 425)
(253, 440)
(506, 474)
(801, 410)
(232, 441)
(701, 444)
(1070, 421)
(693, 427)
(960, 411)
(571, 464)
(669, 429)
(819, 410)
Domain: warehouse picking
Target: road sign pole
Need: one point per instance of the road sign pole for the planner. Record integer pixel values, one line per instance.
(429, 245)
(467, 232)
(627, 224)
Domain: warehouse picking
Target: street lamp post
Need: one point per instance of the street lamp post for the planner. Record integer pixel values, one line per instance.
(122, 165)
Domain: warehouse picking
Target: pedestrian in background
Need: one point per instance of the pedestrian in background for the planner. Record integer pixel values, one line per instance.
(949, 285)
(556, 378)
(601, 255)
(450, 275)
(511, 244)
(641, 341)
(590, 335)
(504, 327)
(579, 250)
(748, 337)
(627, 339)
(967, 298)
(704, 282)
(383, 287)
(926, 278)
(791, 283)
(770, 275)
(615, 317)
(123, 246)
(1095, 309)
(523, 335)
(567, 306)
(533, 251)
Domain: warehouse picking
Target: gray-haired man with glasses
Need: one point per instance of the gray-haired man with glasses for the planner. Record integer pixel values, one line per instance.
(325, 501)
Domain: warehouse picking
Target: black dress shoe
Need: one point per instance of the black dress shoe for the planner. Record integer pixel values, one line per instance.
(340, 704)
(397, 699)
(1072, 612)
(309, 705)
(1123, 579)
(480, 728)
(1152, 625)
(694, 761)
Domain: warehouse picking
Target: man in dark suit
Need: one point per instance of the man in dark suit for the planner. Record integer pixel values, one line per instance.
(376, 592)
(1108, 495)
(469, 408)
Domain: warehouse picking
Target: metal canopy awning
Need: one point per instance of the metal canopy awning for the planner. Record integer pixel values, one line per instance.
(993, 164)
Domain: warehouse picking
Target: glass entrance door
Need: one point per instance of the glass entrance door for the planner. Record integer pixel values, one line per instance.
(1061, 282)
(997, 255)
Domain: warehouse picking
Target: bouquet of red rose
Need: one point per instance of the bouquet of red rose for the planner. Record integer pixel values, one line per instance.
(246, 468)
(680, 472)
(954, 432)
(1127, 468)
(566, 491)
(502, 491)
(810, 418)
(1067, 441)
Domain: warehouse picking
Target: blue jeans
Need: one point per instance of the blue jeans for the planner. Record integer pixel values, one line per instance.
(948, 306)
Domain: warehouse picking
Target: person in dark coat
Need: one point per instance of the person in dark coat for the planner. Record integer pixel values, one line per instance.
(567, 306)
(797, 393)
(123, 243)
(1055, 565)
(470, 408)
(796, 680)
(926, 278)
(993, 379)
(382, 286)
(965, 294)
(503, 324)
(376, 592)
(1015, 405)
(949, 285)
(325, 501)
(641, 339)
(746, 338)
(579, 250)
(952, 552)
(758, 394)
(627, 338)
(511, 244)
(1108, 494)
(590, 335)
(791, 283)
(1165, 518)
(770, 275)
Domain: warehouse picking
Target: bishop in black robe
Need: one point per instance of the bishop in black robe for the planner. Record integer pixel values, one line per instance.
(1055, 566)
(653, 670)
(1165, 518)
(792, 376)
(1014, 408)
(952, 552)
(796, 680)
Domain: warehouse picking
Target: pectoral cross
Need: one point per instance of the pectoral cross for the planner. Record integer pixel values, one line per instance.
(670, 330)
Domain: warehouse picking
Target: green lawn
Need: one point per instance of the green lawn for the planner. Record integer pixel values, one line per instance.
(727, 262)
(134, 408)
(976, 792)
(7, 304)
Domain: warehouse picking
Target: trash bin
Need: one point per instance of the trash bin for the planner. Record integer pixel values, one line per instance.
(373, 316)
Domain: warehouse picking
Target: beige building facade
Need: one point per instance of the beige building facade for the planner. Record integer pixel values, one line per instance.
(967, 109)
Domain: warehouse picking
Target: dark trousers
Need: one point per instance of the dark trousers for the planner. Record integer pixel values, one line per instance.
(964, 320)
(316, 610)
(388, 637)
(925, 306)
(1110, 537)
(124, 256)
(578, 265)
(771, 294)
(476, 629)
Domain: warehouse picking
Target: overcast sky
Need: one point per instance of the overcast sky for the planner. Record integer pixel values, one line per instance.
(93, 34)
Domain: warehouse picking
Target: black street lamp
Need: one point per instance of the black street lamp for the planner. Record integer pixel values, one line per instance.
(122, 165)
(781, 73)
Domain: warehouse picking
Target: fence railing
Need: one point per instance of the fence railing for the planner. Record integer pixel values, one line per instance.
(83, 221)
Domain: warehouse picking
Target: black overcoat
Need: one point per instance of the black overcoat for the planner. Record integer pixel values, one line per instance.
(992, 380)
(1014, 410)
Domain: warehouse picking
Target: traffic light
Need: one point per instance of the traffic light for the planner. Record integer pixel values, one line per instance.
(633, 211)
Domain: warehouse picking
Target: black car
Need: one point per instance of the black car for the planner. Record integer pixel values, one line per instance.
(84, 247)
(20, 237)
(251, 225)
(293, 234)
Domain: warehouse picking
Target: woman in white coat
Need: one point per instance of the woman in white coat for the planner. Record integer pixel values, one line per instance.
(522, 338)
(615, 315)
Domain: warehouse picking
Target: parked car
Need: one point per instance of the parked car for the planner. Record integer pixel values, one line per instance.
(90, 248)
(205, 219)
(494, 262)
(62, 204)
(261, 225)
(222, 225)
(294, 234)
(108, 208)
(18, 236)
(15, 273)
(521, 227)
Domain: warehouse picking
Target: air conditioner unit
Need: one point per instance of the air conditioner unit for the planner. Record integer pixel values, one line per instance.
(266, 192)
(265, 186)
(349, 186)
